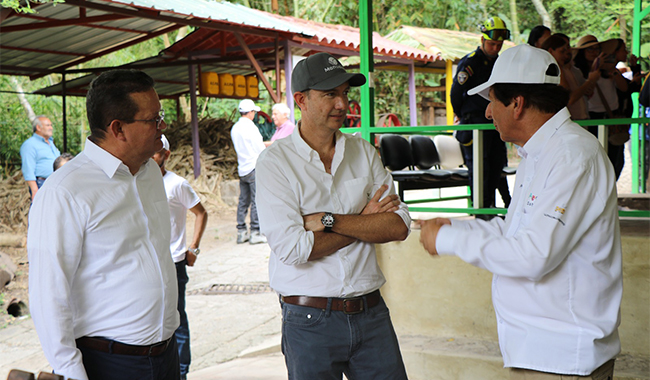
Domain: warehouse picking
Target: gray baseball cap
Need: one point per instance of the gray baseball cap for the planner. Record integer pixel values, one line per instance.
(323, 72)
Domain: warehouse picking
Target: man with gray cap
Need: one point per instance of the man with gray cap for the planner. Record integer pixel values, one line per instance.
(248, 144)
(325, 199)
(556, 258)
(182, 197)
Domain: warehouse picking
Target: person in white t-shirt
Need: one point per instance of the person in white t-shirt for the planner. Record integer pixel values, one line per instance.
(182, 197)
(248, 144)
(556, 258)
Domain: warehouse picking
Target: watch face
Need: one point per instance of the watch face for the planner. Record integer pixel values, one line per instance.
(327, 220)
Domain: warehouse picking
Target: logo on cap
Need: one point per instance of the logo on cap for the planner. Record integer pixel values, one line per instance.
(335, 64)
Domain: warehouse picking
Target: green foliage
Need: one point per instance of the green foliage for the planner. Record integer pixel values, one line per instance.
(25, 7)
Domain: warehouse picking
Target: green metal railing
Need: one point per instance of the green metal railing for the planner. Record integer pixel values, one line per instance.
(638, 164)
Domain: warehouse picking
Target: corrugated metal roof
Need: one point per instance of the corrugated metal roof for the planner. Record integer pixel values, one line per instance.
(447, 44)
(348, 38)
(217, 11)
(62, 35)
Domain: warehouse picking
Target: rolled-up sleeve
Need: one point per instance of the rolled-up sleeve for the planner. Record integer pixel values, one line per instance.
(280, 214)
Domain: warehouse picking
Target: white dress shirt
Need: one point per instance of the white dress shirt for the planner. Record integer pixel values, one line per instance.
(98, 244)
(248, 144)
(181, 197)
(291, 182)
(556, 259)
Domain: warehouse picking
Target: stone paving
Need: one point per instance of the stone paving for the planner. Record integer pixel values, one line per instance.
(221, 326)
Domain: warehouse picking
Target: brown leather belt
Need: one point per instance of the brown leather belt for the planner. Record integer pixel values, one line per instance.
(113, 347)
(353, 305)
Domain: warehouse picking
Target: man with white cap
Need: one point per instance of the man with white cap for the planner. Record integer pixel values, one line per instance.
(248, 144)
(556, 258)
(325, 199)
(182, 197)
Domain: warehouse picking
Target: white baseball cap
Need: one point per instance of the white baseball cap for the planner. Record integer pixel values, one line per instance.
(165, 142)
(522, 64)
(247, 106)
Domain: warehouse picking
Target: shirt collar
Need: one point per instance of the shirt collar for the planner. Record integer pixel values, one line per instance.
(106, 161)
(535, 145)
(304, 150)
(41, 138)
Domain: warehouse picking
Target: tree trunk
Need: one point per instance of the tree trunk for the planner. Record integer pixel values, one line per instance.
(23, 100)
(513, 19)
(541, 10)
(622, 24)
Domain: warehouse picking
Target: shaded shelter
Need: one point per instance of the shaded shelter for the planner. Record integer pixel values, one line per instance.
(244, 41)
(449, 45)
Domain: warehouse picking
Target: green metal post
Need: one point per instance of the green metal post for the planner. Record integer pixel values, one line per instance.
(638, 139)
(367, 68)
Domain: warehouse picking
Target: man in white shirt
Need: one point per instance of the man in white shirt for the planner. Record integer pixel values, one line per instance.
(556, 258)
(248, 144)
(325, 199)
(102, 285)
(182, 197)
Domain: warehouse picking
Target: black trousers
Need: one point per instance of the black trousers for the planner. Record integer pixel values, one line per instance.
(104, 366)
(494, 159)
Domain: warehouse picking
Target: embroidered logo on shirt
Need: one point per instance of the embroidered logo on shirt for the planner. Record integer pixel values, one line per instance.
(531, 199)
(557, 214)
(462, 77)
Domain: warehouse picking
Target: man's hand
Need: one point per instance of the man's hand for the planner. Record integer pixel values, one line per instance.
(376, 206)
(191, 258)
(429, 233)
(313, 223)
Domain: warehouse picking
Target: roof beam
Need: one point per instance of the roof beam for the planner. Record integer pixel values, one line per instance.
(259, 71)
(41, 51)
(177, 20)
(89, 57)
(84, 21)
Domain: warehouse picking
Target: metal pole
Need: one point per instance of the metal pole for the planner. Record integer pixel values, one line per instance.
(65, 114)
(367, 68)
(413, 105)
(449, 78)
(195, 123)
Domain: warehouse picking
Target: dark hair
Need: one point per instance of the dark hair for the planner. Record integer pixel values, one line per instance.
(547, 98)
(62, 159)
(109, 98)
(553, 42)
(580, 61)
(536, 33)
(562, 35)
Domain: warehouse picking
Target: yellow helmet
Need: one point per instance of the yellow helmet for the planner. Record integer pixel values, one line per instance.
(495, 29)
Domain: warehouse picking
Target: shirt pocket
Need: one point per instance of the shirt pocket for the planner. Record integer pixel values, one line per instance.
(358, 191)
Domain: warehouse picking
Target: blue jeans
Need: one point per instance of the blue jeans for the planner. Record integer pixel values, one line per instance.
(183, 331)
(105, 366)
(246, 199)
(324, 344)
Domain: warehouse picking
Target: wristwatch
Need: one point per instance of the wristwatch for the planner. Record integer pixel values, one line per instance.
(328, 221)
(195, 251)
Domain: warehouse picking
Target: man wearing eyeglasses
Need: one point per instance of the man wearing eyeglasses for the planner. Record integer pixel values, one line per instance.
(103, 292)
(475, 69)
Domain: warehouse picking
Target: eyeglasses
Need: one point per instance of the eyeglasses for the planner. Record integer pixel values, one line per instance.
(158, 119)
(593, 48)
(497, 34)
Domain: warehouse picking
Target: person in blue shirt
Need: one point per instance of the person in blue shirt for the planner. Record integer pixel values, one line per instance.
(38, 154)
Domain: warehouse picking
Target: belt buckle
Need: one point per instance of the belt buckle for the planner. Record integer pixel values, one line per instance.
(345, 305)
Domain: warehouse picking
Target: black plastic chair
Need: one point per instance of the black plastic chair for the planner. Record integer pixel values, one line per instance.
(396, 154)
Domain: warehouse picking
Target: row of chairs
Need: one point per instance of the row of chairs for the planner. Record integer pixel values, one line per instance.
(422, 162)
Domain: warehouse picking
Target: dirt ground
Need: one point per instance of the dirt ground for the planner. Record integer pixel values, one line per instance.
(16, 290)
(221, 226)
